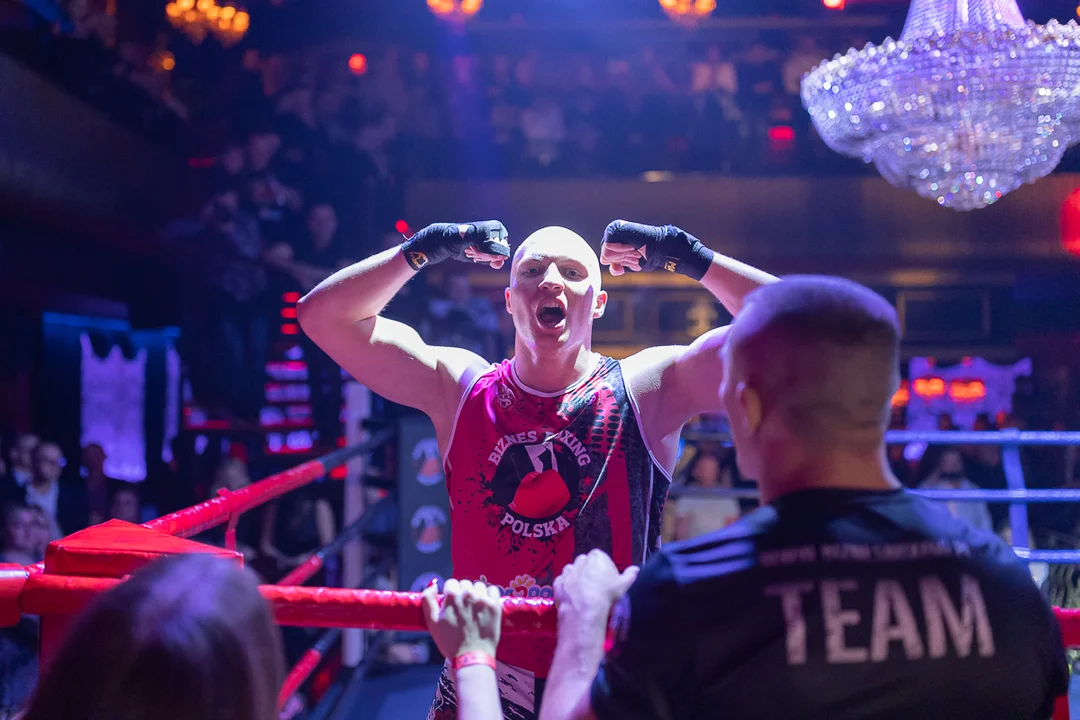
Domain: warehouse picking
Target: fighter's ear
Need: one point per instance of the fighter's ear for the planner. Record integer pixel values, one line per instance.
(600, 306)
(508, 308)
(750, 403)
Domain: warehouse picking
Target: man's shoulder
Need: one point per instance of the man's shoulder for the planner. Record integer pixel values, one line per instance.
(723, 555)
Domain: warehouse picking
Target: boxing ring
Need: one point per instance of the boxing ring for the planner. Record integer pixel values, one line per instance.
(82, 565)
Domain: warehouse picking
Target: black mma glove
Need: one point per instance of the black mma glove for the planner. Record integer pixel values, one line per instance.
(666, 247)
(445, 241)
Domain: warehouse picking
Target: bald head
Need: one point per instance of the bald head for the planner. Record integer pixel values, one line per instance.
(556, 241)
(822, 352)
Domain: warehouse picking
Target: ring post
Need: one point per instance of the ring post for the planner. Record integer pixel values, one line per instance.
(1014, 480)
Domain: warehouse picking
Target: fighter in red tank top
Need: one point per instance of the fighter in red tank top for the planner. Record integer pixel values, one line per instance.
(536, 479)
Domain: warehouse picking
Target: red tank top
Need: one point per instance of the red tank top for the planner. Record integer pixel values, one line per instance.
(536, 479)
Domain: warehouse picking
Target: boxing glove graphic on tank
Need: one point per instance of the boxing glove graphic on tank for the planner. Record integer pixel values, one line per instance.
(536, 482)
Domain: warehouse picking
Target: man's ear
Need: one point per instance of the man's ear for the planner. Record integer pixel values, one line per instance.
(750, 403)
(600, 306)
(507, 295)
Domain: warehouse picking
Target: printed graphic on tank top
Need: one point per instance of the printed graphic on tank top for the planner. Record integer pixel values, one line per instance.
(537, 479)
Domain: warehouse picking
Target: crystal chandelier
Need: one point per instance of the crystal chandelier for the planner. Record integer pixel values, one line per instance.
(970, 103)
(455, 10)
(199, 18)
(688, 11)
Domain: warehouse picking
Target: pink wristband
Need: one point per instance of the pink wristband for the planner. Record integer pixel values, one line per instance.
(474, 658)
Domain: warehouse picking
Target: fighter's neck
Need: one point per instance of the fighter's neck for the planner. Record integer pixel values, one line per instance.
(869, 472)
(547, 372)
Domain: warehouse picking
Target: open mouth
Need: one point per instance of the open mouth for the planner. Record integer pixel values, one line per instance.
(551, 315)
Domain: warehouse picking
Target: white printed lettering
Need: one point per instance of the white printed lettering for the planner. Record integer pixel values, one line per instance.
(963, 626)
(836, 620)
(790, 595)
(890, 602)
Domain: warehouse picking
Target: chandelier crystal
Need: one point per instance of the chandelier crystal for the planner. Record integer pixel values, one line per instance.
(688, 11)
(455, 10)
(970, 103)
(199, 18)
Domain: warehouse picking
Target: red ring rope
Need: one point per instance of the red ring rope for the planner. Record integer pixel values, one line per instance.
(336, 607)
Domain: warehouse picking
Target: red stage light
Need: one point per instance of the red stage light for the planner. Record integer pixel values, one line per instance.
(290, 329)
(782, 134)
(834, 4)
(288, 313)
(967, 391)
(402, 227)
(358, 63)
(929, 387)
(291, 297)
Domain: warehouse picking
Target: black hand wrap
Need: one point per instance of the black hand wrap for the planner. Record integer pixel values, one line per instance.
(666, 247)
(445, 241)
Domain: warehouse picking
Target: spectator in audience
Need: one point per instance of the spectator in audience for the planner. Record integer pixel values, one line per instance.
(805, 56)
(697, 515)
(228, 362)
(318, 254)
(22, 459)
(462, 319)
(18, 666)
(63, 500)
(39, 532)
(18, 535)
(186, 637)
(18, 644)
(949, 475)
(231, 476)
(714, 74)
(125, 504)
(99, 486)
(295, 526)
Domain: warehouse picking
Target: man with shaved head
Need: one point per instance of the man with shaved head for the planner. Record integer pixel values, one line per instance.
(844, 596)
(556, 452)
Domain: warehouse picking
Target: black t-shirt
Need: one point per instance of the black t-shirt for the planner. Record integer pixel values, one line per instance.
(835, 604)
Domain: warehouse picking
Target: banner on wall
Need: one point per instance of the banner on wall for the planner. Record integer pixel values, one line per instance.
(113, 392)
(424, 520)
(964, 391)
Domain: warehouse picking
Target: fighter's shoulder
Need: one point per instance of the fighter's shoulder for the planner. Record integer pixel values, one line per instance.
(644, 370)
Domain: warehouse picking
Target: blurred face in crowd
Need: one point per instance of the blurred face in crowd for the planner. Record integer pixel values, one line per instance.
(707, 470)
(22, 453)
(554, 294)
(261, 148)
(323, 225)
(458, 289)
(48, 463)
(19, 530)
(232, 475)
(951, 465)
(233, 159)
(39, 531)
(125, 506)
(93, 459)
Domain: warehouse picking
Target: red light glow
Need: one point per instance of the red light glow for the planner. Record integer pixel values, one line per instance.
(834, 4)
(358, 63)
(782, 134)
(929, 387)
(402, 227)
(290, 297)
(965, 391)
(289, 313)
(290, 329)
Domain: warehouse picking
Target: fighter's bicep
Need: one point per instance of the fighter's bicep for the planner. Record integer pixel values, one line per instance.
(394, 361)
(688, 378)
